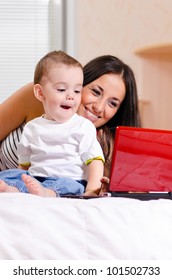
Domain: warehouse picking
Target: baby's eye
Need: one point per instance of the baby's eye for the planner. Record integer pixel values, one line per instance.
(77, 91)
(60, 89)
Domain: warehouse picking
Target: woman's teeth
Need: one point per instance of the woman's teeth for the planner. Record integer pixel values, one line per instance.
(92, 115)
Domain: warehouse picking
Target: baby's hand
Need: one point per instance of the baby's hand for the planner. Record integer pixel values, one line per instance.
(89, 193)
(105, 185)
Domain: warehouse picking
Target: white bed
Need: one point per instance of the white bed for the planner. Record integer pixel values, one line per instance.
(37, 228)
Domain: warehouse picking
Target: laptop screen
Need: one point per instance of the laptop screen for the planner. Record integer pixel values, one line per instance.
(142, 160)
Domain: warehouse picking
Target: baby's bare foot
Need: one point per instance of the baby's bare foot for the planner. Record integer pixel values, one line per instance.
(6, 188)
(34, 187)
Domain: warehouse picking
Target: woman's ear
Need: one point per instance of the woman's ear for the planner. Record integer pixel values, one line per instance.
(38, 92)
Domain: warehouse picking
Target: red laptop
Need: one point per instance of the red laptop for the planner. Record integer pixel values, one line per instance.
(142, 163)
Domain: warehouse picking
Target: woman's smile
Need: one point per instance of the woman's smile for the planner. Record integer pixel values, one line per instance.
(92, 116)
(101, 99)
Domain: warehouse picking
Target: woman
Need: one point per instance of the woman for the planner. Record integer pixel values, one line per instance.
(109, 99)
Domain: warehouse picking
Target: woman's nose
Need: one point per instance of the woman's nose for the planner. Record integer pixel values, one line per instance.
(99, 106)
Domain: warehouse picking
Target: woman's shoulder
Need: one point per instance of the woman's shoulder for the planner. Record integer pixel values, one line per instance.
(22, 106)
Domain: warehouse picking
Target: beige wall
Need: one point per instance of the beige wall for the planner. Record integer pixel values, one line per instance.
(129, 29)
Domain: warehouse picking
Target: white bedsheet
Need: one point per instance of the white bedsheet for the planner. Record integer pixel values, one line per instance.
(37, 228)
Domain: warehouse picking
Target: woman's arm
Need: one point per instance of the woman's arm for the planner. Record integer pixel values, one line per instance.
(22, 106)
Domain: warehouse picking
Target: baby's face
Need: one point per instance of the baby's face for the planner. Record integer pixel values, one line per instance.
(62, 92)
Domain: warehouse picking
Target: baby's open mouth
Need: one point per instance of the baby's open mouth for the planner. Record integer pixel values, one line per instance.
(65, 107)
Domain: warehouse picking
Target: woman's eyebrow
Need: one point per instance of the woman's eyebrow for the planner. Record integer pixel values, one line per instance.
(100, 88)
(118, 100)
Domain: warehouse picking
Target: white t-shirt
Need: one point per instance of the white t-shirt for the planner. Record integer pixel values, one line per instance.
(59, 149)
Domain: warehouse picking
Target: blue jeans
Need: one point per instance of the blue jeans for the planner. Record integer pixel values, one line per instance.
(60, 186)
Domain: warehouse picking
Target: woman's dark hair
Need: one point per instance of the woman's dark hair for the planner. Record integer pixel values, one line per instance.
(128, 113)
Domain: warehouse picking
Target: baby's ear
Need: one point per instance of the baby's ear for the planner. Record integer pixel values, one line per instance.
(38, 92)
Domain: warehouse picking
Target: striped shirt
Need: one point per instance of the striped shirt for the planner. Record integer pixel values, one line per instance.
(8, 149)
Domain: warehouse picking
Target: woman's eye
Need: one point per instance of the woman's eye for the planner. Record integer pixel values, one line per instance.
(96, 92)
(112, 103)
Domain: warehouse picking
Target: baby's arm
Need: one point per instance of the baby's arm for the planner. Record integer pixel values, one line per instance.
(24, 149)
(95, 174)
(24, 167)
